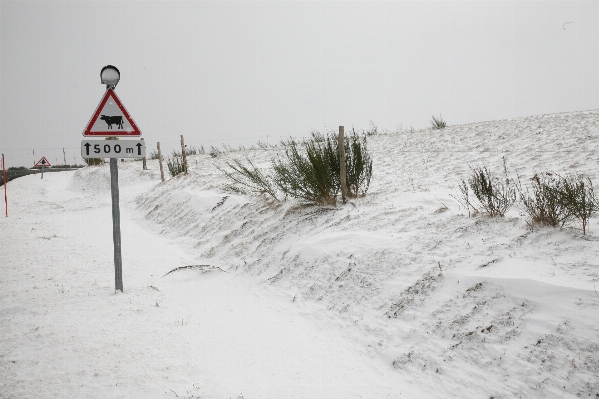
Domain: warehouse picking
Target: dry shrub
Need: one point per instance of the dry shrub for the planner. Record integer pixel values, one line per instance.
(492, 194)
(555, 200)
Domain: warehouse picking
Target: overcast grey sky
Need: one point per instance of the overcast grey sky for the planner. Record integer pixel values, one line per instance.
(235, 72)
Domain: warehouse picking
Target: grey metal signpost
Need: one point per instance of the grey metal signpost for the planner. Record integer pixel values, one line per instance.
(110, 76)
(112, 112)
(116, 223)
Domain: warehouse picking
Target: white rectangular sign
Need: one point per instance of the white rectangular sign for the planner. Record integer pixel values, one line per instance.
(113, 149)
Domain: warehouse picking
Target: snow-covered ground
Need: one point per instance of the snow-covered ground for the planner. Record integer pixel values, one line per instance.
(396, 294)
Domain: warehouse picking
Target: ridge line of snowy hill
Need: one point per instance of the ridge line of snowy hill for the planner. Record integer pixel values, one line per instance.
(469, 307)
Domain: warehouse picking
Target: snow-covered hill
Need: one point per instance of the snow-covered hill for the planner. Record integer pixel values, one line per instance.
(428, 301)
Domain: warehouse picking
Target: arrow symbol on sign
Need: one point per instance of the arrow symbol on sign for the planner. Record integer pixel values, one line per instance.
(138, 148)
(87, 145)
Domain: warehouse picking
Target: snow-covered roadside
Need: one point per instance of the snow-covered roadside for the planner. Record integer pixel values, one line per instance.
(467, 307)
(189, 334)
(397, 294)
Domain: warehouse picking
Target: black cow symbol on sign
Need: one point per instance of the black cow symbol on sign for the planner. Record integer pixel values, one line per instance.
(110, 120)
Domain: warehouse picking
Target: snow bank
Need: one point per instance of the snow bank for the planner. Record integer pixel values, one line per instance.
(396, 294)
(478, 306)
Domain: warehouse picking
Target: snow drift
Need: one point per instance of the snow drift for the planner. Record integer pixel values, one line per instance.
(443, 305)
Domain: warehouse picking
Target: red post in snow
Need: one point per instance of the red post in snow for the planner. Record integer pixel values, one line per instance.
(4, 173)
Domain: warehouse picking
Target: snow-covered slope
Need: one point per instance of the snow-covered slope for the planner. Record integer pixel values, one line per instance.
(442, 304)
(469, 306)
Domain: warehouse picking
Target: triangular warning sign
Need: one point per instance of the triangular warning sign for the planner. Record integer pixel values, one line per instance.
(111, 119)
(42, 162)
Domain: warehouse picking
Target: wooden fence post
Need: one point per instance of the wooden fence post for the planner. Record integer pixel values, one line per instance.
(145, 167)
(160, 162)
(342, 168)
(184, 154)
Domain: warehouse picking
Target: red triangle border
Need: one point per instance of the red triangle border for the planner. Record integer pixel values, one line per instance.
(39, 164)
(111, 133)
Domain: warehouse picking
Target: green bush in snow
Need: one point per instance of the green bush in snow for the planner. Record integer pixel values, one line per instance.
(175, 164)
(250, 177)
(439, 123)
(310, 170)
(93, 161)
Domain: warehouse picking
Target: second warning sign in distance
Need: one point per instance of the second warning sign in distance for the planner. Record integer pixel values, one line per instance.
(113, 149)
